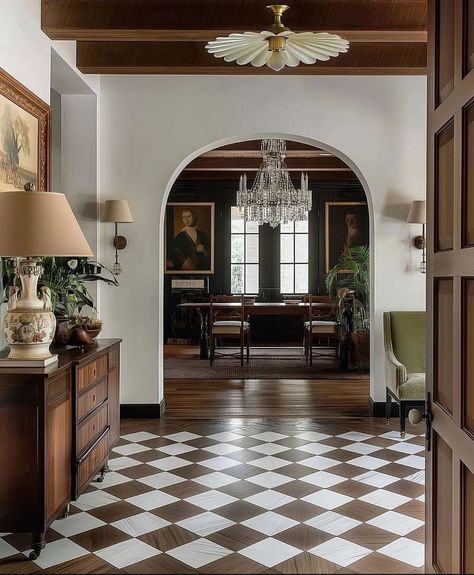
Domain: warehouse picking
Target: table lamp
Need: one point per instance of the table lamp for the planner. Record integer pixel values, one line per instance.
(35, 225)
(417, 215)
(118, 212)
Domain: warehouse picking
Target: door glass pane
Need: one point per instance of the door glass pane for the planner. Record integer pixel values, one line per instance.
(468, 314)
(445, 188)
(237, 248)
(468, 167)
(301, 247)
(286, 248)
(251, 278)
(301, 278)
(469, 44)
(251, 227)
(301, 227)
(286, 278)
(251, 248)
(237, 278)
(287, 228)
(444, 344)
(443, 512)
(237, 223)
(445, 33)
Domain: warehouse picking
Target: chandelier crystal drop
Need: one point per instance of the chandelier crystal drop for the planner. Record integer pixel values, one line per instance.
(273, 199)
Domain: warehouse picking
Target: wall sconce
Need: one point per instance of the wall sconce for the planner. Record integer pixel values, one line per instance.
(417, 215)
(117, 211)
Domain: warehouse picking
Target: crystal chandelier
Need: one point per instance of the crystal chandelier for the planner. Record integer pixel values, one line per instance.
(273, 199)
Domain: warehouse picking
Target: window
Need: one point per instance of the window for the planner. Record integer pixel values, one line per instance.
(244, 254)
(294, 257)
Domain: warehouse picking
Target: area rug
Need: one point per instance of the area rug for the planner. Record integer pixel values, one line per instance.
(281, 363)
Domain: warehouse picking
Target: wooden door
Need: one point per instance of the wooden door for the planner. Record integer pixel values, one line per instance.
(450, 287)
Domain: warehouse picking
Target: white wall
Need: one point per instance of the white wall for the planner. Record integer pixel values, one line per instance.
(152, 126)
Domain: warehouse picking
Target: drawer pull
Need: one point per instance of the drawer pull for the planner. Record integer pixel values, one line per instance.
(93, 398)
(96, 442)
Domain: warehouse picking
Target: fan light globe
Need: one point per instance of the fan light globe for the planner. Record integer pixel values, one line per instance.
(277, 47)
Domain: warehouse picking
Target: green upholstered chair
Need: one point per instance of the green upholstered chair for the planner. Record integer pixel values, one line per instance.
(405, 339)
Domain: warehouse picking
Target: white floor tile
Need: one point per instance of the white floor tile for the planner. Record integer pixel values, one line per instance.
(225, 436)
(270, 479)
(405, 550)
(130, 448)
(160, 480)
(312, 436)
(119, 463)
(418, 477)
(199, 553)
(385, 499)
(395, 435)
(269, 436)
(270, 523)
(222, 448)
(355, 436)
(95, 499)
(362, 448)
(111, 479)
(421, 498)
(333, 523)
(396, 523)
(319, 462)
(76, 523)
(176, 448)
(182, 436)
(368, 462)
(215, 480)
(405, 447)
(152, 500)
(323, 479)
(269, 448)
(316, 448)
(269, 499)
(140, 524)
(269, 462)
(270, 552)
(58, 552)
(139, 436)
(205, 523)
(169, 463)
(327, 499)
(6, 549)
(376, 479)
(414, 461)
(340, 551)
(210, 500)
(127, 553)
(219, 463)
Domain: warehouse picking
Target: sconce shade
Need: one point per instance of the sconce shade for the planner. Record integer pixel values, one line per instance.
(117, 211)
(36, 224)
(417, 213)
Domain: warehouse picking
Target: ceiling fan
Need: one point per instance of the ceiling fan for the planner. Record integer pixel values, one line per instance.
(277, 47)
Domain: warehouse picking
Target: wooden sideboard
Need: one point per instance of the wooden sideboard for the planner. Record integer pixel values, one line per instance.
(57, 427)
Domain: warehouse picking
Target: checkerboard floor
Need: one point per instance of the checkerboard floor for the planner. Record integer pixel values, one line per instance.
(244, 496)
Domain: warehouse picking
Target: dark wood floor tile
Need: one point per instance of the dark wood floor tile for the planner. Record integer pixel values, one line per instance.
(115, 511)
(293, 442)
(246, 442)
(397, 470)
(84, 565)
(241, 489)
(303, 536)
(236, 537)
(197, 456)
(300, 511)
(138, 471)
(359, 510)
(369, 536)
(347, 470)
(150, 455)
(413, 508)
(233, 564)
(99, 538)
(157, 565)
(342, 455)
(298, 489)
(177, 511)
(389, 455)
(406, 488)
(417, 535)
(380, 441)
(246, 455)
(239, 511)
(294, 455)
(157, 442)
(336, 441)
(128, 489)
(296, 470)
(201, 442)
(192, 471)
(378, 563)
(352, 488)
(306, 563)
(185, 489)
(244, 471)
(18, 564)
(168, 537)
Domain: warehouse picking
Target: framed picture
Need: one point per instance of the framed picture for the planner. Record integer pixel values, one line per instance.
(189, 238)
(347, 225)
(25, 128)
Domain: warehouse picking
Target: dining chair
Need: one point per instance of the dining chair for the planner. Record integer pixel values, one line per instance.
(229, 323)
(320, 323)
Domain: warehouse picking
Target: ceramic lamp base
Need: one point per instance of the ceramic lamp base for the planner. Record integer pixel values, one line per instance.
(29, 333)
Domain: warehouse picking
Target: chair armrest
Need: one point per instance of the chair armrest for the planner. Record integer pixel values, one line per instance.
(395, 372)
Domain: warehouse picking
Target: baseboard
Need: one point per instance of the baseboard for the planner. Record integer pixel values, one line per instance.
(377, 408)
(142, 410)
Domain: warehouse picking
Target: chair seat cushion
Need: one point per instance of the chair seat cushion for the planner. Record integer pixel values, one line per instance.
(413, 388)
(321, 326)
(229, 327)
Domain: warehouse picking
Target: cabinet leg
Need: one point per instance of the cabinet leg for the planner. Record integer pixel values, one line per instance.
(65, 513)
(38, 544)
(103, 471)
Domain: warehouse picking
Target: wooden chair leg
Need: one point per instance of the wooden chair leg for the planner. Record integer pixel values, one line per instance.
(211, 355)
(402, 419)
(310, 335)
(388, 407)
(248, 345)
(242, 349)
(305, 340)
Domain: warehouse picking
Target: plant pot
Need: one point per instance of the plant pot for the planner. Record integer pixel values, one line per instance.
(80, 337)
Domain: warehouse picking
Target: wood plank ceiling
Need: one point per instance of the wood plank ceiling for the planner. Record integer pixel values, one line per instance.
(168, 36)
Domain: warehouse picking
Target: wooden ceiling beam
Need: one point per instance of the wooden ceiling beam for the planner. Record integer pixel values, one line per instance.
(192, 20)
(192, 58)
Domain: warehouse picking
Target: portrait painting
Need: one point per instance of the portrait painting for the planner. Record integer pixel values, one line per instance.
(189, 238)
(346, 225)
(24, 138)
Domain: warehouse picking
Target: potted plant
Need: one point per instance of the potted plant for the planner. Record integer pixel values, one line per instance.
(348, 283)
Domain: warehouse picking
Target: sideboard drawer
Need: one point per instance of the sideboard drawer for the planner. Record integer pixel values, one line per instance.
(91, 372)
(93, 426)
(93, 459)
(89, 400)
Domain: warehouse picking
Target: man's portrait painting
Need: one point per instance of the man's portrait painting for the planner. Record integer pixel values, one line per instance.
(189, 238)
(347, 225)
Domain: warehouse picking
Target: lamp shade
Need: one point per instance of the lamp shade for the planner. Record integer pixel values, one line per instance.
(117, 211)
(39, 224)
(417, 213)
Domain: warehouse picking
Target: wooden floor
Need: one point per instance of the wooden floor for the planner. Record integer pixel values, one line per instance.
(210, 399)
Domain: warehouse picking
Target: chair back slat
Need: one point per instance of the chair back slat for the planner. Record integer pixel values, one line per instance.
(316, 312)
